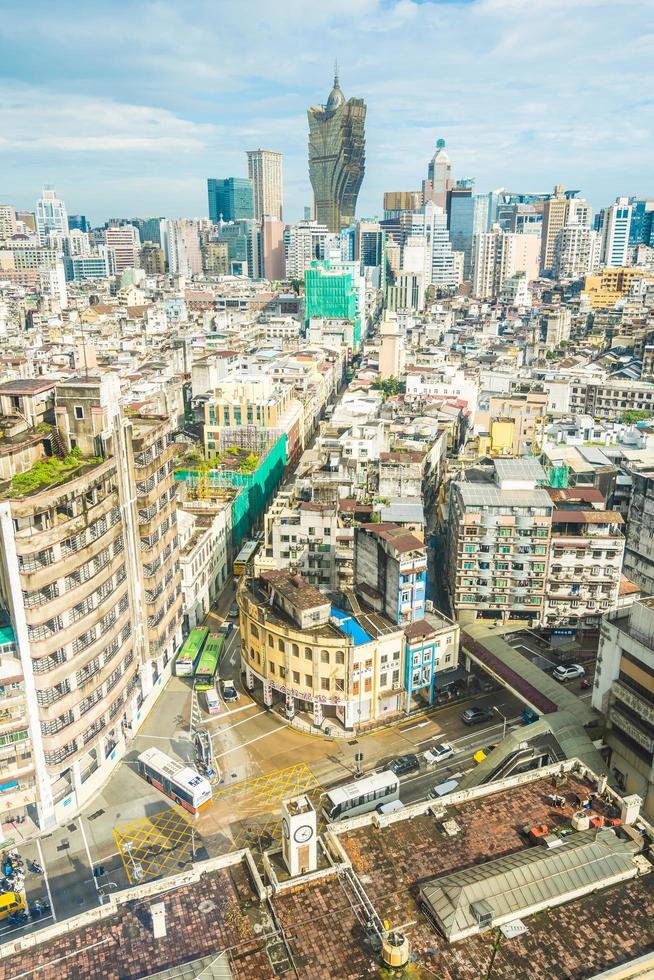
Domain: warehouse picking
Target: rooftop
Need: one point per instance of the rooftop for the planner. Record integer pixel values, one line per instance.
(587, 517)
(296, 590)
(27, 386)
(318, 929)
(489, 495)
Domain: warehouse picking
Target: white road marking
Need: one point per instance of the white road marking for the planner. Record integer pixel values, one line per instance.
(45, 878)
(232, 711)
(221, 731)
(88, 853)
(251, 742)
(418, 724)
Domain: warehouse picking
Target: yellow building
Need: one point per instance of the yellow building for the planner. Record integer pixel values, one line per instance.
(605, 288)
(253, 401)
(306, 655)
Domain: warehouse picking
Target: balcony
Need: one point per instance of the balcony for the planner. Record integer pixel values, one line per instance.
(629, 728)
(634, 701)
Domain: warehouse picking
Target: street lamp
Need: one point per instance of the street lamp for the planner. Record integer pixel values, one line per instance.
(495, 708)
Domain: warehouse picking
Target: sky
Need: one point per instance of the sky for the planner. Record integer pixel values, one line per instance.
(128, 106)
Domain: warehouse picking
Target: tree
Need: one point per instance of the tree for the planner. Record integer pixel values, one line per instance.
(633, 415)
(390, 387)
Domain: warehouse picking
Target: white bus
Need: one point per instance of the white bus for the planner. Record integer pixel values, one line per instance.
(361, 796)
(181, 783)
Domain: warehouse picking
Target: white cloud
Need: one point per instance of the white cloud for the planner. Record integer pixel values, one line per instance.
(526, 92)
(31, 119)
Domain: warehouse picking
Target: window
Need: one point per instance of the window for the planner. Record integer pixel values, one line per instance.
(324, 683)
(396, 677)
(280, 644)
(272, 667)
(383, 680)
(282, 672)
(295, 650)
(340, 657)
(254, 631)
(296, 676)
(308, 680)
(367, 684)
(79, 412)
(355, 688)
(308, 653)
(324, 656)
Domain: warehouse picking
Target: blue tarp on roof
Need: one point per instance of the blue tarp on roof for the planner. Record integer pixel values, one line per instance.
(348, 625)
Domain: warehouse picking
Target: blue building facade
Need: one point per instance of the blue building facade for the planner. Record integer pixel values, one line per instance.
(230, 198)
(431, 658)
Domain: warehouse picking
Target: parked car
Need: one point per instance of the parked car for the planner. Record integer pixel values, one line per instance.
(226, 628)
(229, 691)
(403, 765)
(233, 610)
(568, 672)
(391, 807)
(442, 789)
(473, 716)
(438, 753)
(481, 754)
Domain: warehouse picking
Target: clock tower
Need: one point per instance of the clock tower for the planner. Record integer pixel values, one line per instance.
(299, 835)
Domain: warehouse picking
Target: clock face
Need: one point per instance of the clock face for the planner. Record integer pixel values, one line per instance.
(285, 828)
(303, 834)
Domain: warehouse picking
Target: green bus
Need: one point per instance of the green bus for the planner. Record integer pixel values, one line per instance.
(207, 666)
(188, 655)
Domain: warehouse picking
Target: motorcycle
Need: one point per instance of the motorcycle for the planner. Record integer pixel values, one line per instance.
(35, 867)
(18, 918)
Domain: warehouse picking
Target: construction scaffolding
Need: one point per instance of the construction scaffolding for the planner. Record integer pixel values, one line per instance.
(254, 479)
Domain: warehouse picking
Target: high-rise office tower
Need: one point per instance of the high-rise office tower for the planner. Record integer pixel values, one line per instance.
(439, 177)
(615, 224)
(336, 157)
(641, 230)
(460, 216)
(79, 221)
(230, 198)
(51, 217)
(265, 173)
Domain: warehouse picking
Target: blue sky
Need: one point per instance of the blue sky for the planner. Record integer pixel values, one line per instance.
(128, 106)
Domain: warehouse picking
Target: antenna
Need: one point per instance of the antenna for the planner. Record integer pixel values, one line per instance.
(336, 71)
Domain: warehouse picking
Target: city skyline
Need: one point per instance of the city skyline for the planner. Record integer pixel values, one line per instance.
(509, 119)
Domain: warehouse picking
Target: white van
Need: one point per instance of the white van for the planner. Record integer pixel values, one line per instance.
(213, 701)
(442, 789)
(391, 807)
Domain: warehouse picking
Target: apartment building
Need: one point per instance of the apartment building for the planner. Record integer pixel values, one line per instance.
(431, 658)
(89, 581)
(639, 551)
(498, 544)
(204, 535)
(623, 691)
(586, 554)
(254, 400)
(514, 421)
(16, 759)
(608, 398)
(302, 536)
(390, 571)
(307, 656)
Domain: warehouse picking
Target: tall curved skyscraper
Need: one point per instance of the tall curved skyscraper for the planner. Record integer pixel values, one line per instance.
(337, 155)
